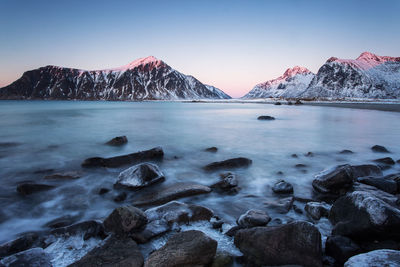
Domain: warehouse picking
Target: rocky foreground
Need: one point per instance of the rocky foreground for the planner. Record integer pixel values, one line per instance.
(361, 204)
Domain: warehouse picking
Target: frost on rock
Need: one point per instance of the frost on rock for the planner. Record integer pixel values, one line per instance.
(376, 258)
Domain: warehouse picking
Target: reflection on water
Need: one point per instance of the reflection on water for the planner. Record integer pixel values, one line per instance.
(58, 135)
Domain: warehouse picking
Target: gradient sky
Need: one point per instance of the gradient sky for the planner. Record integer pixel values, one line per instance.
(232, 45)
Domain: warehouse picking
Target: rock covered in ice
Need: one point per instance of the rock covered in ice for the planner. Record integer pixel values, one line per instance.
(139, 176)
(376, 258)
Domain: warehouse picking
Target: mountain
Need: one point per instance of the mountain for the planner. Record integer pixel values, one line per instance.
(217, 91)
(291, 84)
(143, 79)
(368, 76)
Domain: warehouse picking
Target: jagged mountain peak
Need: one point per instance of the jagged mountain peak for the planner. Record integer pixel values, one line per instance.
(150, 60)
(296, 70)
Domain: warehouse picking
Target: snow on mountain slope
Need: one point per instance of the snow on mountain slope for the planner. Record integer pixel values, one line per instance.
(217, 91)
(143, 79)
(291, 84)
(368, 76)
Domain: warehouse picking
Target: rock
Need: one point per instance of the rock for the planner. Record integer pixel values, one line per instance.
(376, 258)
(120, 197)
(282, 205)
(386, 160)
(22, 243)
(297, 243)
(228, 182)
(139, 176)
(297, 209)
(346, 151)
(112, 252)
(30, 188)
(175, 191)
(31, 257)
(381, 149)
(309, 154)
(381, 183)
(88, 229)
(190, 248)
(300, 165)
(142, 156)
(289, 103)
(265, 118)
(361, 215)
(298, 102)
(316, 210)
(294, 156)
(365, 170)
(277, 103)
(341, 248)
(103, 191)
(253, 218)
(233, 230)
(222, 260)
(212, 149)
(279, 172)
(125, 220)
(65, 175)
(118, 141)
(282, 187)
(62, 221)
(375, 192)
(228, 164)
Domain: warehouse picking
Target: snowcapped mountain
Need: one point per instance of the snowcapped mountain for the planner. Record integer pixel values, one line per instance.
(368, 76)
(291, 84)
(143, 79)
(217, 91)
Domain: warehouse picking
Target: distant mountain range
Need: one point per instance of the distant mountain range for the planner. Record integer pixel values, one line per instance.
(368, 76)
(143, 79)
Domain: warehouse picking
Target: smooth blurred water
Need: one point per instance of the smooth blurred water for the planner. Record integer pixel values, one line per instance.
(59, 135)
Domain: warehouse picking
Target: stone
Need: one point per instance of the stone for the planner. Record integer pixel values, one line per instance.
(63, 176)
(24, 242)
(62, 221)
(277, 103)
(265, 118)
(387, 185)
(120, 197)
(118, 141)
(297, 243)
(282, 187)
(212, 149)
(309, 154)
(381, 149)
(386, 160)
(31, 257)
(253, 218)
(88, 229)
(30, 188)
(376, 258)
(139, 176)
(124, 220)
(282, 205)
(227, 182)
(346, 151)
(228, 164)
(190, 248)
(103, 191)
(142, 156)
(298, 102)
(316, 210)
(341, 248)
(300, 165)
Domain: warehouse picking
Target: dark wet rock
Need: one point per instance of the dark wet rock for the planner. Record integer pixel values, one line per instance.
(277, 103)
(103, 191)
(87, 229)
(265, 118)
(316, 210)
(377, 148)
(212, 149)
(300, 165)
(375, 192)
(31, 257)
(297, 209)
(398, 161)
(190, 248)
(140, 176)
(62, 221)
(341, 248)
(282, 187)
(22, 243)
(173, 192)
(43, 171)
(365, 170)
(228, 164)
(297, 243)
(309, 154)
(282, 205)
(112, 251)
(376, 258)
(386, 160)
(118, 141)
(387, 185)
(233, 230)
(222, 259)
(30, 188)
(228, 182)
(64, 175)
(361, 215)
(289, 103)
(294, 156)
(379, 244)
(298, 102)
(279, 172)
(346, 151)
(9, 144)
(125, 220)
(161, 219)
(216, 223)
(142, 156)
(253, 218)
(120, 197)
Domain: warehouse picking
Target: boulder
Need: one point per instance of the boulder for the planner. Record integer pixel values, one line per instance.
(139, 176)
(125, 220)
(341, 248)
(387, 185)
(346, 151)
(211, 149)
(142, 156)
(228, 182)
(265, 118)
(112, 252)
(298, 102)
(173, 192)
(63, 176)
(87, 229)
(118, 141)
(253, 218)
(381, 149)
(282, 187)
(19, 244)
(30, 188)
(361, 215)
(376, 258)
(282, 205)
(228, 164)
(365, 170)
(103, 191)
(190, 248)
(386, 160)
(277, 103)
(31, 257)
(63, 221)
(309, 154)
(297, 243)
(316, 210)
(120, 197)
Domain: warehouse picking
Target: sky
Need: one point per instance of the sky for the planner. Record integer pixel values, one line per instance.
(232, 45)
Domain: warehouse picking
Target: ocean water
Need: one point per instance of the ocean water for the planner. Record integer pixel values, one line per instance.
(59, 135)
